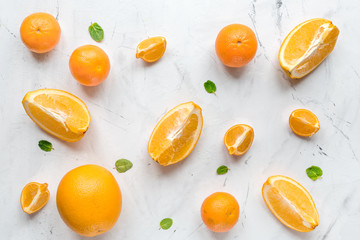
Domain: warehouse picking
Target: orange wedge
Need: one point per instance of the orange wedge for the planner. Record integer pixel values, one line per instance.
(304, 123)
(151, 49)
(306, 46)
(176, 134)
(290, 203)
(34, 196)
(58, 113)
(238, 139)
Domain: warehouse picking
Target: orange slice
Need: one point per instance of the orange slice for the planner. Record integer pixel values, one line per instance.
(151, 49)
(306, 46)
(238, 139)
(304, 123)
(176, 134)
(34, 196)
(58, 113)
(290, 203)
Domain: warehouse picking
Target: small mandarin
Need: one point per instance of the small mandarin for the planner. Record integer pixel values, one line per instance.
(304, 123)
(220, 212)
(236, 45)
(89, 65)
(40, 32)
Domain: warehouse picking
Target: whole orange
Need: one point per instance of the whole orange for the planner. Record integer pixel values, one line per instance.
(89, 65)
(220, 212)
(40, 32)
(236, 45)
(89, 200)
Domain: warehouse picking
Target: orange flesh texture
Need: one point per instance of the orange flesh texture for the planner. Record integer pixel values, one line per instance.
(291, 205)
(239, 138)
(75, 118)
(236, 48)
(44, 33)
(34, 197)
(303, 122)
(175, 136)
(151, 49)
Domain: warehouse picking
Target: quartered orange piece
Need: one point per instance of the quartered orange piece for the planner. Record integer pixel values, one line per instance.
(306, 46)
(58, 113)
(238, 139)
(176, 134)
(151, 49)
(290, 203)
(34, 196)
(304, 123)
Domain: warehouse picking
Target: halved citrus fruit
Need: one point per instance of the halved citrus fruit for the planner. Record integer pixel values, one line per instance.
(151, 49)
(238, 139)
(304, 123)
(58, 113)
(306, 46)
(34, 196)
(176, 134)
(290, 203)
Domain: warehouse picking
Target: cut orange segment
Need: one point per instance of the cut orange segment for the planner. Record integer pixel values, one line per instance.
(306, 46)
(304, 123)
(238, 139)
(58, 113)
(34, 196)
(151, 49)
(176, 134)
(290, 203)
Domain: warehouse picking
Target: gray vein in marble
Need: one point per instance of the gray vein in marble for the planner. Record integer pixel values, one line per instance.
(57, 10)
(106, 109)
(336, 127)
(7, 29)
(199, 226)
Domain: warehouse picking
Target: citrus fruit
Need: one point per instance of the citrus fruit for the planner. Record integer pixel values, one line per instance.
(58, 113)
(34, 196)
(151, 49)
(306, 46)
(40, 32)
(176, 134)
(89, 200)
(236, 45)
(220, 212)
(238, 139)
(304, 123)
(290, 203)
(89, 65)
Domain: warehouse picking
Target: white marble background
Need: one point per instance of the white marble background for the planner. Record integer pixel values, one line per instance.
(126, 107)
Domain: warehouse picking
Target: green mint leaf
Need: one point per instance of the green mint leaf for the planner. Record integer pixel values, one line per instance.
(96, 32)
(166, 223)
(314, 172)
(222, 170)
(45, 145)
(210, 87)
(122, 165)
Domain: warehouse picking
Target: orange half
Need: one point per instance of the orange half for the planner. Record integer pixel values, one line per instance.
(151, 49)
(58, 113)
(291, 203)
(34, 196)
(238, 139)
(306, 46)
(176, 134)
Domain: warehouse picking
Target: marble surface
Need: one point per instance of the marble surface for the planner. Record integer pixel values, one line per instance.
(126, 107)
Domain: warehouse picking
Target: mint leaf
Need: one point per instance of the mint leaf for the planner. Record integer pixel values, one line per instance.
(314, 172)
(45, 145)
(222, 170)
(96, 32)
(166, 223)
(210, 87)
(122, 165)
